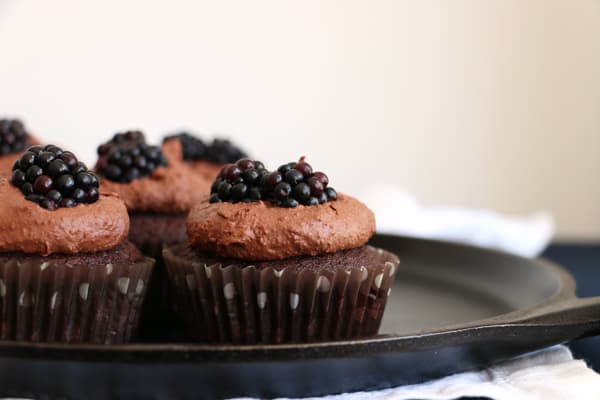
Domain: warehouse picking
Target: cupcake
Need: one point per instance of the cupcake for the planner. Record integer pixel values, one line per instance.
(157, 185)
(276, 257)
(14, 139)
(207, 158)
(67, 272)
(159, 188)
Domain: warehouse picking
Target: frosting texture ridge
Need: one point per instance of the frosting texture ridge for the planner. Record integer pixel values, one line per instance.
(263, 231)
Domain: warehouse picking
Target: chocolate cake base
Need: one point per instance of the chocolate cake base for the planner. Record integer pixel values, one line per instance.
(302, 299)
(125, 253)
(81, 298)
(149, 232)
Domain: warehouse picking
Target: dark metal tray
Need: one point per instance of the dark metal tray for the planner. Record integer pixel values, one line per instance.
(453, 308)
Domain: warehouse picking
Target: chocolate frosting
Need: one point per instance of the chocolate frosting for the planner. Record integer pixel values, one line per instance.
(26, 227)
(263, 231)
(6, 163)
(207, 169)
(173, 189)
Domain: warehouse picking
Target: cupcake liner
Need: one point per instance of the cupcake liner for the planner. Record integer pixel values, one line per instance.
(247, 305)
(59, 302)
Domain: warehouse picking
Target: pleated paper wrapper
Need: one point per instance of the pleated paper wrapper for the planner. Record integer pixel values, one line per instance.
(247, 305)
(61, 303)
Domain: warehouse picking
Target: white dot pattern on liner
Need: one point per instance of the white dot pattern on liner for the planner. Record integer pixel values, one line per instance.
(123, 284)
(208, 272)
(109, 269)
(278, 273)
(24, 299)
(229, 291)
(53, 301)
(323, 284)
(43, 266)
(378, 280)
(392, 267)
(294, 300)
(261, 300)
(139, 288)
(191, 282)
(364, 273)
(83, 290)
(2, 288)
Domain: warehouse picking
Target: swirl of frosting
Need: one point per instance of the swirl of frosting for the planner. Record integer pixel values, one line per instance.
(263, 231)
(173, 189)
(87, 228)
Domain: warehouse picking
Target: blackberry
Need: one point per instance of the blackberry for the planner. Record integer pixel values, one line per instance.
(13, 136)
(119, 141)
(130, 162)
(239, 182)
(295, 183)
(54, 178)
(122, 139)
(222, 151)
(219, 151)
(193, 148)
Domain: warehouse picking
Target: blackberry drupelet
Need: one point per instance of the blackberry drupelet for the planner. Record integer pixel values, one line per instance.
(133, 161)
(54, 178)
(219, 151)
(239, 182)
(296, 183)
(13, 136)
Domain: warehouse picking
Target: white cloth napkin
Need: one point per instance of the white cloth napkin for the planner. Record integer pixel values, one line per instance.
(549, 374)
(399, 212)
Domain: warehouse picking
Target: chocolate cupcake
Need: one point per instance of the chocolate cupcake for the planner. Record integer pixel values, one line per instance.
(159, 188)
(281, 258)
(207, 158)
(157, 185)
(67, 272)
(14, 139)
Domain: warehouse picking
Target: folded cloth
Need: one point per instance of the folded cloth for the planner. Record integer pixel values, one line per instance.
(549, 374)
(399, 212)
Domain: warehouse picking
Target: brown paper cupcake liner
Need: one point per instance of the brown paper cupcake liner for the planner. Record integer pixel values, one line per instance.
(63, 303)
(247, 305)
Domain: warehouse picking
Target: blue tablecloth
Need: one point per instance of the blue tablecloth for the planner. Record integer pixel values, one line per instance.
(583, 261)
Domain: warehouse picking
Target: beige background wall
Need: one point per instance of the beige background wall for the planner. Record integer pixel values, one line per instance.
(490, 104)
